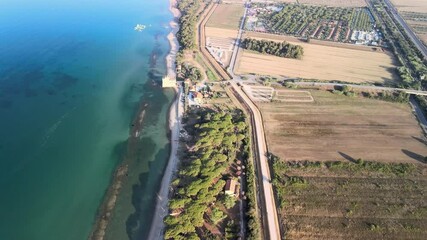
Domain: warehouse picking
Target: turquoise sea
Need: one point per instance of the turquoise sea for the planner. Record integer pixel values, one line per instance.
(74, 75)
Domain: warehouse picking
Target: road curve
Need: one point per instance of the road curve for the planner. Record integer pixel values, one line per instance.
(261, 148)
(421, 47)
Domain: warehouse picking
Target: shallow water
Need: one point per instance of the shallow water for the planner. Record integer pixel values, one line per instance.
(72, 77)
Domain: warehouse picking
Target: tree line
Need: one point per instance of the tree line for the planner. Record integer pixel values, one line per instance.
(280, 49)
(187, 23)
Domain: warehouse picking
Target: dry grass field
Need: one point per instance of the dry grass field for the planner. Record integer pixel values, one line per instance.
(411, 5)
(341, 128)
(362, 200)
(334, 62)
(335, 3)
(226, 16)
(221, 31)
(415, 13)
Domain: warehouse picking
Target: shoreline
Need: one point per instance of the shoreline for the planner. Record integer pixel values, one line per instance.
(106, 208)
(173, 41)
(174, 119)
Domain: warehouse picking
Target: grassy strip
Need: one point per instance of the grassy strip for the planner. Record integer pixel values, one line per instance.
(212, 76)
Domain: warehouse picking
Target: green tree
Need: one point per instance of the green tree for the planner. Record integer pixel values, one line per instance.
(217, 215)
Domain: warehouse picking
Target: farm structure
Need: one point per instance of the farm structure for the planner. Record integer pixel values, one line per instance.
(316, 22)
(341, 128)
(322, 60)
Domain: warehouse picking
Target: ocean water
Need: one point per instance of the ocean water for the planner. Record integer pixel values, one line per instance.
(73, 77)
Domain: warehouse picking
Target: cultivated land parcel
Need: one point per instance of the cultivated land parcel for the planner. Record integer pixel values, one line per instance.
(333, 3)
(415, 13)
(363, 200)
(221, 31)
(336, 127)
(324, 188)
(330, 61)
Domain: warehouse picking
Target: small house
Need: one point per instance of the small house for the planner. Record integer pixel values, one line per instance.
(230, 187)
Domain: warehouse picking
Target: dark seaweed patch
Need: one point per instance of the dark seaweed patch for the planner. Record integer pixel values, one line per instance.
(16, 80)
(63, 81)
(51, 92)
(30, 93)
(5, 103)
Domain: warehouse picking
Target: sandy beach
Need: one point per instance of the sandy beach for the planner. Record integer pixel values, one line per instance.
(173, 41)
(175, 113)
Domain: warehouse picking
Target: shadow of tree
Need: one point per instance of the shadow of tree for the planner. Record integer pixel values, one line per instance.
(413, 155)
(347, 157)
(421, 140)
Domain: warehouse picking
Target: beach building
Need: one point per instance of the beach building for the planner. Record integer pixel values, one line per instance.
(167, 82)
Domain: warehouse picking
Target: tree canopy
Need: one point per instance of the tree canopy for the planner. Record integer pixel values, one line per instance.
(199, 181)
(280, 49)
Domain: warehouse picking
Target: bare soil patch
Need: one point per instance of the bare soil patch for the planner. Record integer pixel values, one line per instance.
(341, 128)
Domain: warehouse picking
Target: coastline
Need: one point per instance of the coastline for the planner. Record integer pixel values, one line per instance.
(175, 114)
(173, 41)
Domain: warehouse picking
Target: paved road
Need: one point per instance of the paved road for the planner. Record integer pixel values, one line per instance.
(236, 45)
(419, 113)
(270, 206)
(366, 87)
(408, 30)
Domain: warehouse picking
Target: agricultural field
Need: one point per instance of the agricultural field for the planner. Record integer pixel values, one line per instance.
(226, 16)
(351, 200)
(324, 62)
(316, 22)
(221, 31)
(341, 128)
(411, 5)
(335, 3)
(415, 13)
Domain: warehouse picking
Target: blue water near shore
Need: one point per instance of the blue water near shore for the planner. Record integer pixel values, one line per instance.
(73, 75)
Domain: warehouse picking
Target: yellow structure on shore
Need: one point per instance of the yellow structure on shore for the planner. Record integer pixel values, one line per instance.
(168, 82)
